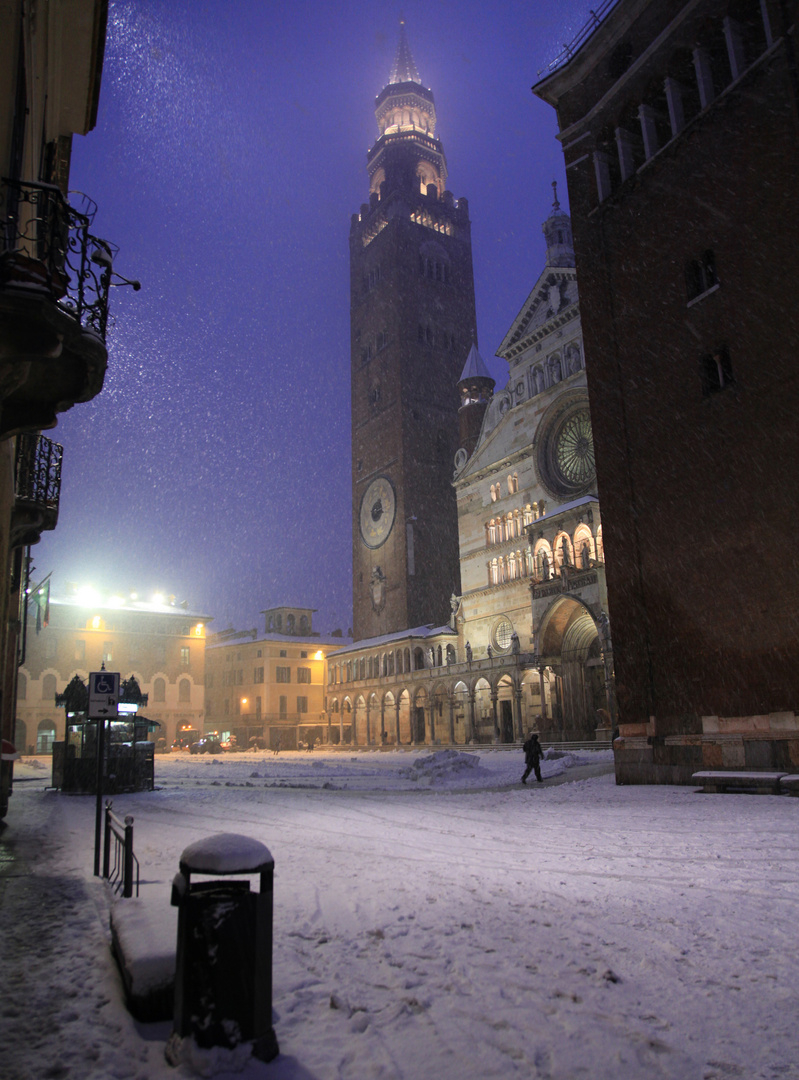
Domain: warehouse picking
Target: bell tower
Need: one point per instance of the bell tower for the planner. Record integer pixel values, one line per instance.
(412, 317)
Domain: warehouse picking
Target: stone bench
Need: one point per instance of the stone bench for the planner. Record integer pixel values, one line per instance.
(762, 783)
(144, 941)
(790, 784)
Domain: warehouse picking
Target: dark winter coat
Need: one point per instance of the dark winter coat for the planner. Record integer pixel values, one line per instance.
(532, 751)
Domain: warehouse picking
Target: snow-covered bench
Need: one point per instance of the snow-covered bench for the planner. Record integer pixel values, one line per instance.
(790, 784)
(144, 939)
(762, 783)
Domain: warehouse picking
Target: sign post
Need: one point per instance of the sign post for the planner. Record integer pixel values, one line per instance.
(103, 702)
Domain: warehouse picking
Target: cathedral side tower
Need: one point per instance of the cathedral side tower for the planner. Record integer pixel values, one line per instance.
(412, 316)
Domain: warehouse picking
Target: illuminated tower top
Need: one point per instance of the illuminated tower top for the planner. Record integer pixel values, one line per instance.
(407, 155)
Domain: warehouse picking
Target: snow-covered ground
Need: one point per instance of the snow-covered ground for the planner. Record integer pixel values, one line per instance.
(433, 919)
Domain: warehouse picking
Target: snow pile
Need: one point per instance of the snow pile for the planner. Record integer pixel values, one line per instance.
(438, 769)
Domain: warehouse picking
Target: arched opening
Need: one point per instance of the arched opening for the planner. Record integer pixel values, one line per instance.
(483, 713)
(49, 689)
(505, 709)
(420, 713)
(405, 717)
(45, 736)
(569, 643)
(460, 696)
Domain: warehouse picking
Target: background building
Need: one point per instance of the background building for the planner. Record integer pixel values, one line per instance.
(527, 645)
(680, 131)
(269, 688)
(54, 282)
(160, 644)
(413, 319)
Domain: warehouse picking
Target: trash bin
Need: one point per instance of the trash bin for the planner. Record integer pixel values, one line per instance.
(223, 973)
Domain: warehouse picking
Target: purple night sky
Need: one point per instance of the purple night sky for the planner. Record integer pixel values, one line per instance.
(229, 154)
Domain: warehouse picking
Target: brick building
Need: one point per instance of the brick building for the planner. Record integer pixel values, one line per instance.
(680, 133)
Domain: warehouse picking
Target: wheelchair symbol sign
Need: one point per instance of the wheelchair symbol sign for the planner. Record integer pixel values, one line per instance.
(103, 694)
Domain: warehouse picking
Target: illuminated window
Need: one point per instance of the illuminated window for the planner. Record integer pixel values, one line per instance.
(108, 652)
(184, 656)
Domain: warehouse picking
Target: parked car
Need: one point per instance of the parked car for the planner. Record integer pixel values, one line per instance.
(207, 745)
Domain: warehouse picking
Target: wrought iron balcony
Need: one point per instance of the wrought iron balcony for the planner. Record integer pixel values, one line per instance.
(37, 488)
(45, 244)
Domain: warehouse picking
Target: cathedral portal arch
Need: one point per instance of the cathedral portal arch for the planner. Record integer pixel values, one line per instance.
(568, 641)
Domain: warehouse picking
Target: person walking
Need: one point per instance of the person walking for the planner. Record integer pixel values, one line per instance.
(532, 757)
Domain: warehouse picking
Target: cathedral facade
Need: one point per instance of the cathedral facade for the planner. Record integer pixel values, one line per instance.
(533, 605)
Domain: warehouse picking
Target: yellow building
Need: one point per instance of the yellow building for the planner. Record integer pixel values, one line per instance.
(54, 282)
(159, 643)
(268, 689)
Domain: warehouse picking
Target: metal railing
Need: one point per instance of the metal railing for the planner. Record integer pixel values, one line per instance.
(120, 875)
(37, 472)
(568, 51)
(45, 244)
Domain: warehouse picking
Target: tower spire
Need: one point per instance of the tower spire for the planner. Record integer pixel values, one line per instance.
(404, 69)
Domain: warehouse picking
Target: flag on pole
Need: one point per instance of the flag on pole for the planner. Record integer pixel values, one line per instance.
(42, 607)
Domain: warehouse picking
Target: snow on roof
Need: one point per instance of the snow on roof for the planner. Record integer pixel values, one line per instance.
(119, 603)
(399, 635)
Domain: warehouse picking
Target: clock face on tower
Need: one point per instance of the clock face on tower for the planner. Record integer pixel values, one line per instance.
(378, 508)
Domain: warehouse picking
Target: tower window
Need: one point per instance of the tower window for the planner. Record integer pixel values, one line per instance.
(700, 275)
(716, 371)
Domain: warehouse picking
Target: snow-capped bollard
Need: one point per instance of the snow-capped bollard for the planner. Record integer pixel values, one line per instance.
(223, 975)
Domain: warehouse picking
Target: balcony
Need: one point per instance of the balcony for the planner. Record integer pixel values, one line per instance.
(54, 283)
(37, 488)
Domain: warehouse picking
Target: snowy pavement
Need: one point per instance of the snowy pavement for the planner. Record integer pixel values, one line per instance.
(433, 919)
